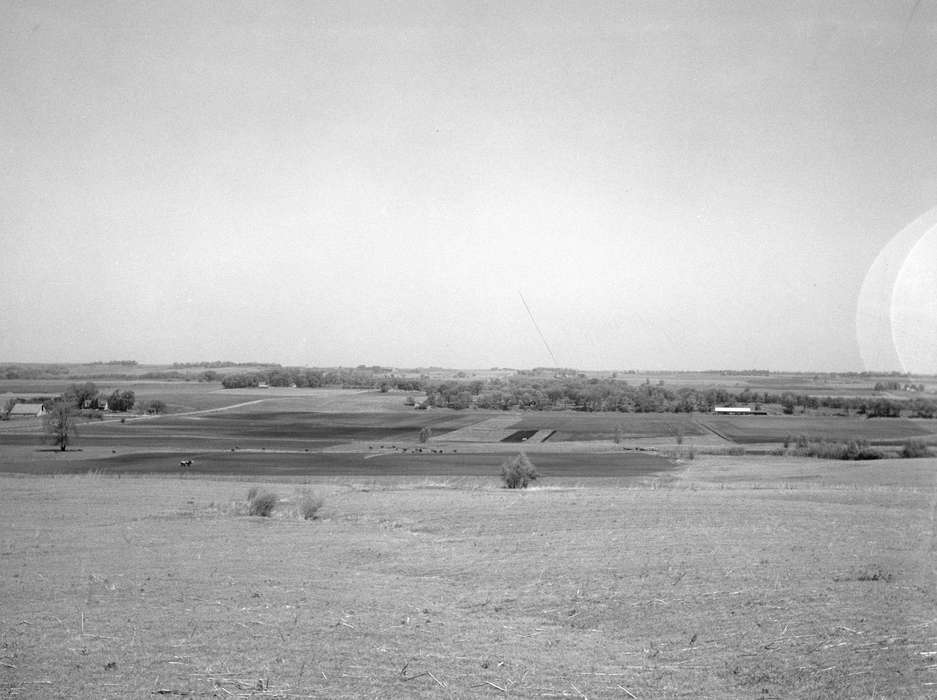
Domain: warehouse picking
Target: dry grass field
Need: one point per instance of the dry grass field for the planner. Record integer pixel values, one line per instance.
(732, 578)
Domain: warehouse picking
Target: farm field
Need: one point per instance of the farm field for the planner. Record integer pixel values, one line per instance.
(577, 425)
(879, 431)
(247, 423)
(711, 584)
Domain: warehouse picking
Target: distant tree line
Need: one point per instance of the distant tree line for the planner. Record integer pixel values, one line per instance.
(594, 394)
(215, 364)
(897, 386)
(32, 372)
(304, 377)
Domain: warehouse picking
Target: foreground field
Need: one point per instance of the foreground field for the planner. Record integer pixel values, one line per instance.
(736, 577)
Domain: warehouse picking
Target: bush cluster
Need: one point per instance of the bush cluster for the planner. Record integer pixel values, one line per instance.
(836, 449)
(261, 502)
(914, 448)
(309, 505)
(517, 472)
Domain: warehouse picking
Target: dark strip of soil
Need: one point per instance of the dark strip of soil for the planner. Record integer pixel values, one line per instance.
(620, 464)
(520, 436)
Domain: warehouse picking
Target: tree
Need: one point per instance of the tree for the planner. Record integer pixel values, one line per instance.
(425, 433)
(59, 424)
(121, 400)
(155, 406)
(7, 407)
(79, 394)
(517, 472)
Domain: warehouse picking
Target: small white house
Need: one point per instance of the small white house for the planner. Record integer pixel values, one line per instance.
(27, 410)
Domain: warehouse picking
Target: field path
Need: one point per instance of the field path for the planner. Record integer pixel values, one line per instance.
(708, 428)
(175, 415)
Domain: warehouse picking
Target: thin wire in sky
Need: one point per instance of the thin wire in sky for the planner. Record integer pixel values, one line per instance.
(907, 25)
(534, 321)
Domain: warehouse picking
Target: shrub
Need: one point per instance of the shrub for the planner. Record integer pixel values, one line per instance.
(155, 407)
(517, 472)
(262, 503)
(309, 505)
(678, 434)
(914, 448)
(252, 493)
(425, 433)
(829, 449)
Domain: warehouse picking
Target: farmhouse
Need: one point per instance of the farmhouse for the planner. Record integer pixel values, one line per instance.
(27, 410)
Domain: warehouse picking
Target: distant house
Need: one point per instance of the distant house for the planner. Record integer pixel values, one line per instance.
(27, 410)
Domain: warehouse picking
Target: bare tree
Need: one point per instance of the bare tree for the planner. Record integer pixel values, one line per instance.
(59, 425)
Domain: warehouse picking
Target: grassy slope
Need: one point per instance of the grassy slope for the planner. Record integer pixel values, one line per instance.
(737, 580)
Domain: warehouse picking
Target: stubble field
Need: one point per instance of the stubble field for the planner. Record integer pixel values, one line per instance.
(729, 579)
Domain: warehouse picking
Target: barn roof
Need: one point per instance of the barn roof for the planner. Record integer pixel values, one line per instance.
(26, 409)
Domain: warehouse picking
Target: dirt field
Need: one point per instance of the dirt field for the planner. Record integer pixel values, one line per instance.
(712, 584)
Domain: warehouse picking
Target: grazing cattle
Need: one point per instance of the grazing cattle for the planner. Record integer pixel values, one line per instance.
(185, 464)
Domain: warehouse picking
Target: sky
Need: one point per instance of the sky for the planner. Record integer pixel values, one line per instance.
(619, 185)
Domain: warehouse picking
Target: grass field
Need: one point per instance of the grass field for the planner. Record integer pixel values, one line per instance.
(712, 584)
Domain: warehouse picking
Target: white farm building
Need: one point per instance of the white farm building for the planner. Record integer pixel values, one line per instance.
(27, 410)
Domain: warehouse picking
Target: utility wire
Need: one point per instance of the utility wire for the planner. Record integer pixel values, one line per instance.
(534, 321)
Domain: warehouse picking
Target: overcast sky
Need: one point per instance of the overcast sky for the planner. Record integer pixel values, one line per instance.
(682, 185)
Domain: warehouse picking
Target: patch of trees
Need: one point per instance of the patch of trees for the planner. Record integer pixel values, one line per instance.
(121, 400)
(239, 381)
(165, 375)
(84, 395)
(8, 407)
(304, 377)
(833, 449)
(154, 407)
(528, 392)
